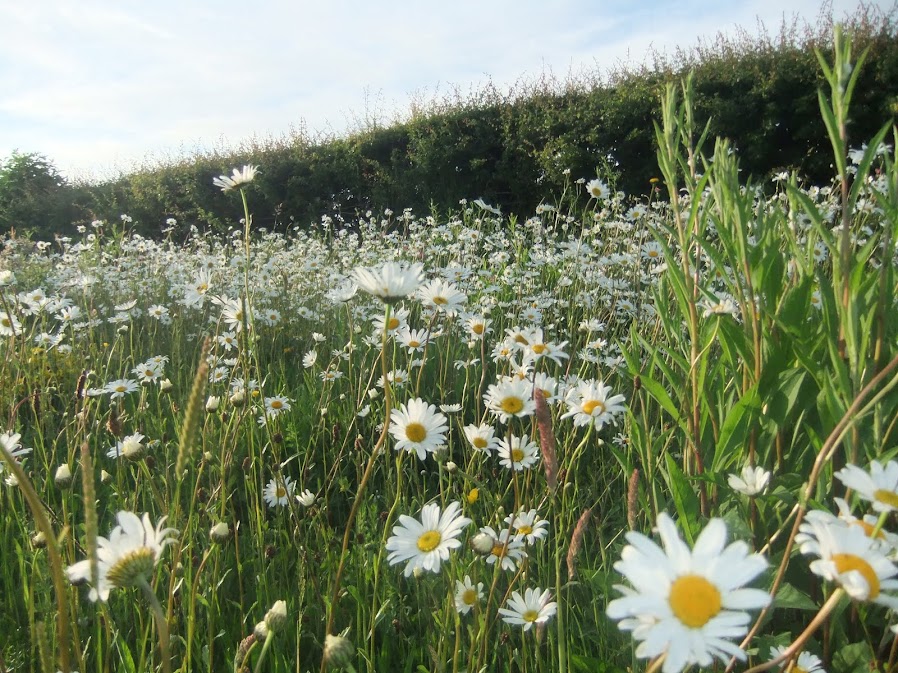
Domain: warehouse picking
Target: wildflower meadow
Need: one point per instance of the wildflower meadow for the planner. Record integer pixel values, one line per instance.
(632, 432)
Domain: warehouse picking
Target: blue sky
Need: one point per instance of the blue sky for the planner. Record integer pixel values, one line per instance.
(102, 86)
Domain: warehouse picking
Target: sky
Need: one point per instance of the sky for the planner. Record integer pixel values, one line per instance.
(101, 87)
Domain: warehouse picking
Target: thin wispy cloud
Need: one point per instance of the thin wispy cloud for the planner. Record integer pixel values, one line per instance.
(99, 86)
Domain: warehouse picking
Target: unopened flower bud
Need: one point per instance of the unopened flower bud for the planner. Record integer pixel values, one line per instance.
(261, 631)
(220, 532)
(165, 385)
(451, 467)
(237, 398)
(276, 617)
(105, 477)
(338, 651)
(212, 403)
(39, 540)
(483, 543)
(63, 476)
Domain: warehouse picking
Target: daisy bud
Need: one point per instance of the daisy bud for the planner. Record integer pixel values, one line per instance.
(338, 651)
(63, 476)
(105, 477)
(165, 385)
(261, 630)
(39, 540)
(220, 532)
(306, 498)
(207, 456)
(276, 617)
(123, 329)
(238, 398)
(451, 467)
(483, 543)
(212, 403)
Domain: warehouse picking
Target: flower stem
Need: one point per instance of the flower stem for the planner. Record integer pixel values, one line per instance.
(161, 623)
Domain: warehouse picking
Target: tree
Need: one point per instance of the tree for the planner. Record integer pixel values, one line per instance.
(34, 196)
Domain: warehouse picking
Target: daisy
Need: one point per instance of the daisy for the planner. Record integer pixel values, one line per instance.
(418, 427)
(534, 607)
(10, 442)
(278, 492)
(440, 295)
(9, 325)
(588, 402)
(426, 543)
(414, 340)
(879, 486)
(597, 189)
(684, 603)
(510, 399)
(126, 558)
(528, 525)
(849, 557)
(131, 446)
(804, 663)
(518, 453)
(478, 327)
(238, 178)
(276, 405)
(120, 388)
(506, 548)
(482, 437)
(753, 481)
(309, 359)
(467, 595)
(228, 340)
(391, 282)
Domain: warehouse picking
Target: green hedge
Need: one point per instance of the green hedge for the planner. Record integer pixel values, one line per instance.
(512, 148)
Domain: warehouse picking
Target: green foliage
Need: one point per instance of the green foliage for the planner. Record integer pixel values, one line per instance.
(34, 198)
(758, 91)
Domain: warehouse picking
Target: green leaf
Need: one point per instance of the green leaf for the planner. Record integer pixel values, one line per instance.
(684, 498)
(736, 428)
(854, 658)
(790, 597)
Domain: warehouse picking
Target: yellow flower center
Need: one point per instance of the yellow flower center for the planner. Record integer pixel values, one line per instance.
(652, 253)
(469, 597)
(848, 562)
(590, 406)
(512, 405)
(280, 492)
(414, 344)
(429, 540)
(415, 432)
(694, 600)
(498, 549)
(519, 338)
(393, 323)
(477, 329)
(276, 404)
(440, 301)
(539, 349)
(530, 616)
(517, 455)
(479, 443)
(525, 529)
(120, 389)
(867, 528)
(886, 497)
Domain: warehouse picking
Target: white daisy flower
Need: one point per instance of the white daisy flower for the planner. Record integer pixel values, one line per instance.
(534, 607)
(507, 549)
(589, 402)
(849, 557)
(418, 427)
(467, 595)
(518, 453)
(510, 399)
(482, 437)
(238, 178)
(754, 480)
(391, 282)
(276, 405)
(804, 662)
(126, 558)
(426, 543)
(687, 604)
(879, 486)
(278, 492)
(528, 525)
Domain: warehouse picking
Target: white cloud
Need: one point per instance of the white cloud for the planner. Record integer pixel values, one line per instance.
(96, 83)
